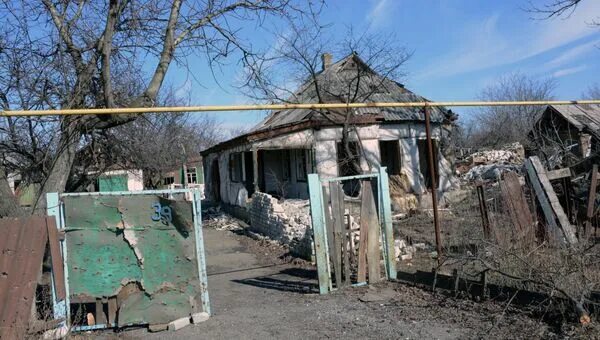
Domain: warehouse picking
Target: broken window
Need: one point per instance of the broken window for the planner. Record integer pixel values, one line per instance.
(235, 167)
(389, 152)
(192, 177)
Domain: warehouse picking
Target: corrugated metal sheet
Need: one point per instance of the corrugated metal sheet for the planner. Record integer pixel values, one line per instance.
(334, 84)
(22, 242)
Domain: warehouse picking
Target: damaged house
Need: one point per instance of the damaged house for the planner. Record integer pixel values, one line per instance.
(566, 134)
(275, 156)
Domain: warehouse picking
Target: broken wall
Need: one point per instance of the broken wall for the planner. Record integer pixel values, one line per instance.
(287, 222)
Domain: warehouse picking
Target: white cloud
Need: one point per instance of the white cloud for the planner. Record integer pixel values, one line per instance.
(568, 71)
(573, 53)
(486, 44)
(380, 12)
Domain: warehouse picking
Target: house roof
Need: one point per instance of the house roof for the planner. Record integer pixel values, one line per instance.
(581, 116)
(331, 86)
(351, 76)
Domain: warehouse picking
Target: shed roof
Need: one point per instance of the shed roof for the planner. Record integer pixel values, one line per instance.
(581, 116)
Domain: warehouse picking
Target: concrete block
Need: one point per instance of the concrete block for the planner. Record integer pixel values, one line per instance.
(200, 317)
(179, 323)
(158, 327)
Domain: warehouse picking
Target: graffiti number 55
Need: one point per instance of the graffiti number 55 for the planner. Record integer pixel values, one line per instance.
(162, 213)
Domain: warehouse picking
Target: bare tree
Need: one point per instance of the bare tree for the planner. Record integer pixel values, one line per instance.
(557, 9)
(175, 138)
(496, 126)
(81, 54)
(298, 59)
(593, 92)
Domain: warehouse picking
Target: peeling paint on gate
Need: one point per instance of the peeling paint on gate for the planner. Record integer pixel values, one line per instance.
(114, 240)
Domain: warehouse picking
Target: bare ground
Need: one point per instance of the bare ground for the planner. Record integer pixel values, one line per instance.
(256, 292)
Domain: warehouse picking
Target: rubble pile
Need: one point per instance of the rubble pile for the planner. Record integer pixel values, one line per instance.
(405, 252)
(215, 218)
(287, 222)
(491, 164)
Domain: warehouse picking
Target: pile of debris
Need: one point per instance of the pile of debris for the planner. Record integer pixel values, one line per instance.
(287, 222)
(491, 164)
(214, 217)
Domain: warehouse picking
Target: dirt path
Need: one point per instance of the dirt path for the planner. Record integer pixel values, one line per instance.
(256, 296)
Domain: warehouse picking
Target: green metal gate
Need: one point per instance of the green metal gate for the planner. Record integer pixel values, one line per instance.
(131, 258)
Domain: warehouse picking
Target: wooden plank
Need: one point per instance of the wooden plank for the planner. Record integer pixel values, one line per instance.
(58, 272)
(551, 226)
(337, 217)
(563, 220)
(514, 198)
(362, 242)
(369, 216)
(100, 316)
(558, 173)
(591, 200)
(319, 235)
(346, 236)
(337, 273)
(112, 311)
(483, 210)
(387, 227)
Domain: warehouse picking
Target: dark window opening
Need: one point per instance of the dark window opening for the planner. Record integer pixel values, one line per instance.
(301, 164)
(168, 180)
(424, 161)
(389, 152)
(249, 171)
(235, 167)
(192, 176)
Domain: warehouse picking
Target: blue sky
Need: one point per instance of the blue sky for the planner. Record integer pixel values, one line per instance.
(460, 47)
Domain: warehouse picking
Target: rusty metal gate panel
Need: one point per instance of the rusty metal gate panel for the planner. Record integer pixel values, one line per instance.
(22, 249)
(138, 257)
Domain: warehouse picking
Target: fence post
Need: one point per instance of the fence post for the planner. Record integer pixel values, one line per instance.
(319, 236)
(200, 253)
(60, 309)
(387, 227)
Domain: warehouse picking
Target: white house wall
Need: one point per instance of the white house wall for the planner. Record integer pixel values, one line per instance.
(324, 143)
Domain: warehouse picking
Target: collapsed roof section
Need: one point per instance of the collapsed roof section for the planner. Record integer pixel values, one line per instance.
(584, 117)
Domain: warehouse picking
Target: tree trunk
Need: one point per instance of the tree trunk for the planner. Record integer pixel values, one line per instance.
(9, 205)
(61, 169)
